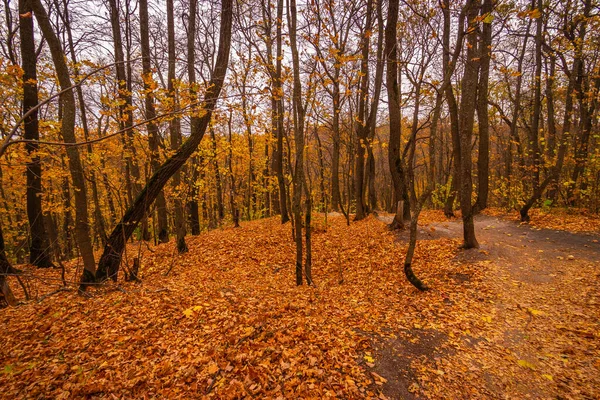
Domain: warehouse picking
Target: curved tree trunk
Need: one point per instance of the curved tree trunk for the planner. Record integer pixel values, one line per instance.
(108, 266)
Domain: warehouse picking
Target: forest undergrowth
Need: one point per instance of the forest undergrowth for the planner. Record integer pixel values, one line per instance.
(229, 322)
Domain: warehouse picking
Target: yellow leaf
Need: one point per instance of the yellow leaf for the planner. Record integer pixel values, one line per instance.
(369, 359)
(188, 313)
(549, 377)
(526, 364)
(534, 312)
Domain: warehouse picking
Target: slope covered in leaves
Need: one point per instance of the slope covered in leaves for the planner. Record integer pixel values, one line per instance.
(228, 322)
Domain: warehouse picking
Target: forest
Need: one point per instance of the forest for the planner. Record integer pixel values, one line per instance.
(393, 199)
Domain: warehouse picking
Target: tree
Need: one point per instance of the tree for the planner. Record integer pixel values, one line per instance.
(125, 118)
(175, 129)
(39, 249)
(362, 128)
(483, 159)
(299, 180)
(67, 100)
(108, 266)
(575, 34)
(98, 217)
(150, 113)
(5, 268)
(468, 103)
(393, 89)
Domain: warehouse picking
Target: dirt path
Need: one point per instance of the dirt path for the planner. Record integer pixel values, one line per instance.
(541, 319)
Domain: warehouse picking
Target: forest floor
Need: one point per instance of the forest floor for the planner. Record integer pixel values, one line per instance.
(517, 318)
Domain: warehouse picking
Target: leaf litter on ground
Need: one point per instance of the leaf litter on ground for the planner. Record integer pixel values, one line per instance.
(228, 322)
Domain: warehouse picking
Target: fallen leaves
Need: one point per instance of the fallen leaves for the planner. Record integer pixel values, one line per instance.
(228, 326)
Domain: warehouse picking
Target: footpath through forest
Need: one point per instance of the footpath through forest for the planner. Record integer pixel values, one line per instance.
(517, 318)
(543, 316)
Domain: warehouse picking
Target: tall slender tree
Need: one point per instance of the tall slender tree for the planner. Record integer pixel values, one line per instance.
(175, 129)
(393, 88)
(150, 114)
(39, 249)
(468, 104)
(67, 100)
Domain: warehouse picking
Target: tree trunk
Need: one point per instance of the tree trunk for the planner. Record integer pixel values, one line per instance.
(39, 251)
(362, 130)
(283, 199)
(449, 64)
(394, 160)
(175, 130)
(235, 214)
(323, 205)
(299, 183)
(412, 243)
(150, 114)
(220, 209)
(483, 158)
(99, 222)
(132, 171)
(468, 104)
(5, 268)
(68, 133)
(587, 108)
(534, 147)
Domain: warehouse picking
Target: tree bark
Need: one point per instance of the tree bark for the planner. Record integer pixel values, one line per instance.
(235, 213)
(534, 146)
